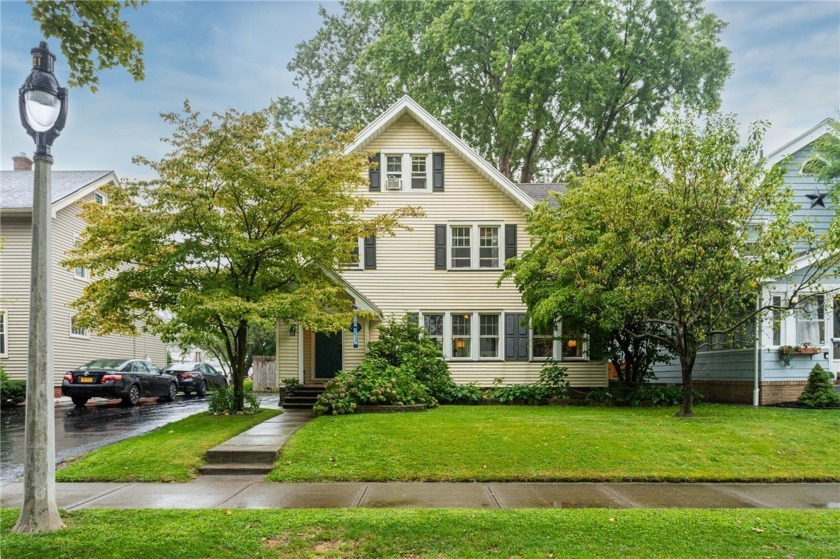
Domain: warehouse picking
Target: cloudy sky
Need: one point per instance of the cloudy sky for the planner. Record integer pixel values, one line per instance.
(786, 58)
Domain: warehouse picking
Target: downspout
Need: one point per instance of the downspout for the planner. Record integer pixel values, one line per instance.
(757, 367)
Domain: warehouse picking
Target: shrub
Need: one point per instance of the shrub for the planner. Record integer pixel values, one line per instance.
(463, 394)
(641, 394)
(551, 384)
(374, 382)
(223, 402)
(553, 379)
(406, 345)
(12, 392)
(290, 385)
(248, 385)
(819, 392)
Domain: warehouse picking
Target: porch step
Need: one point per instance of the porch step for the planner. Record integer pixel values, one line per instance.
(304, 397)
(236, 469)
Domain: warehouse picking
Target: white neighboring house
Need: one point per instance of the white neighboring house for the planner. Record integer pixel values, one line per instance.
(72, 346)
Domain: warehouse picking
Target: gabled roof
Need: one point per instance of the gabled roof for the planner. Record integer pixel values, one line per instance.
(539, 191)
(800, 142)
(16, 188)
(409, 106)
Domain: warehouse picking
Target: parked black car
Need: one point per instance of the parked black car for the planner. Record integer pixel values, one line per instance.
(129, 379)
(196, 377)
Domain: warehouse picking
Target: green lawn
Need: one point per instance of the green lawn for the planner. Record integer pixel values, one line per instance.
(498, 443)
(172, 453)
(431, 533)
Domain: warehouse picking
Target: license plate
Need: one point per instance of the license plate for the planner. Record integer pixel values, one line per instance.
(86, 379)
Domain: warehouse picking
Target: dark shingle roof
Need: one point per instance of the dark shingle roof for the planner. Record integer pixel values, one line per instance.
(16, 186)
(539, 191)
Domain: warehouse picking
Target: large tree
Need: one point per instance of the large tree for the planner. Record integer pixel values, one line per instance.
(536, 87)
(93, 37)
(678, 236)
(244, 224)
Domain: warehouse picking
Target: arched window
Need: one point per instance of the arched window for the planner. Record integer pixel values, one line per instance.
(812, 166)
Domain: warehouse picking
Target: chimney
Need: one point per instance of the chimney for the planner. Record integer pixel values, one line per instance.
(22, 162)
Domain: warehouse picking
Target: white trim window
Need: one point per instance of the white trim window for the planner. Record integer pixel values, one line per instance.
(488, 336)
(79, 272)
(572, 345)
(777, 319)
(810, 321)
(393, 172)
(433, 323)
(419, 172)
(4, 333)
(542, 343)
(461, 246)
(100, 198)
(355, 260)
(77, 331)
(461, 347)
(475, 246)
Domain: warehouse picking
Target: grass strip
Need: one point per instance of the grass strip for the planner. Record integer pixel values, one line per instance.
(173, 452)
(365, 533)
(572, 443)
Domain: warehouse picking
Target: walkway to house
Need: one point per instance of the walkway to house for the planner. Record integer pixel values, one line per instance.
(244, 492)
(254, 451)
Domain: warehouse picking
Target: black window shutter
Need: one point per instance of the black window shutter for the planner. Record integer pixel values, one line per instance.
(516, 337)
(374, 173)
(510, 242)
(437, 172)
(440, 247)
(370, 253)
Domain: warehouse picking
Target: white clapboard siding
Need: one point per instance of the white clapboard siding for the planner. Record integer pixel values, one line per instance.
(69, 351)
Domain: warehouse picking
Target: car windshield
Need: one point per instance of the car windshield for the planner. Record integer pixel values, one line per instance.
(103, 364)
(181, 367)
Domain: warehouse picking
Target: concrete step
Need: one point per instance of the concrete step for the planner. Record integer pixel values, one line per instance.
(241, 456)
(235, 469)
(298, 405)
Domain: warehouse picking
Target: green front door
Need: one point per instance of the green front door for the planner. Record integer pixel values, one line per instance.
(327, 354)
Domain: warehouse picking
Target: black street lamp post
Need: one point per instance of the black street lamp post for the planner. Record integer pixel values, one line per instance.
(43, 112)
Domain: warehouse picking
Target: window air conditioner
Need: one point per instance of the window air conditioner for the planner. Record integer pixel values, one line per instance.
(393, 183)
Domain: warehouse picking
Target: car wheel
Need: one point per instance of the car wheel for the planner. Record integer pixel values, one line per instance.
(133, 396)
(173, 391)
(79, 401)
(201, 391)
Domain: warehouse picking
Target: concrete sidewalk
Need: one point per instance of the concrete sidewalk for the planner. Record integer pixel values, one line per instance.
(251, 492)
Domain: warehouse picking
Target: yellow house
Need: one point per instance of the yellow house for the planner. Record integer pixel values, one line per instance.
(445, 270)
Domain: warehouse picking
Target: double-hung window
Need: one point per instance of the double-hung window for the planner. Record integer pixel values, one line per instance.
(572, 344)
(76, 330)
(475, 247)
(542, 343)
(433, 323)
(3, 334)
(393, 172)
(100, 198)
(461, 246)
(462, 336)
(810, 321)
(778, 319)
(419, 177)
(488, 335)
(79, 272)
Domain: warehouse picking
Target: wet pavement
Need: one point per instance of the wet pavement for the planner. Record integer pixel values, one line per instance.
(99, 423)
(251, 492)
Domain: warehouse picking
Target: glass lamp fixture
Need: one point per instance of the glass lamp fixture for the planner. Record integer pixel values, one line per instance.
(42, 103)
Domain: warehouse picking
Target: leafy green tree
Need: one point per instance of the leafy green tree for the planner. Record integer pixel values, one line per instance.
(92, 36)
(537, 87)
(827, 150)
(666, 236)
(243, 225)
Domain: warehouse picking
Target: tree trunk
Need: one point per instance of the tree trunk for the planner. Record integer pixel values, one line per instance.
(688, 354)
(238, 365)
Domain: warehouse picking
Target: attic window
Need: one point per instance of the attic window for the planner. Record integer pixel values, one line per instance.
(813, 167)
(99, 198)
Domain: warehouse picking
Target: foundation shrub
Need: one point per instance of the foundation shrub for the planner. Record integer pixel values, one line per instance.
(819, 391)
